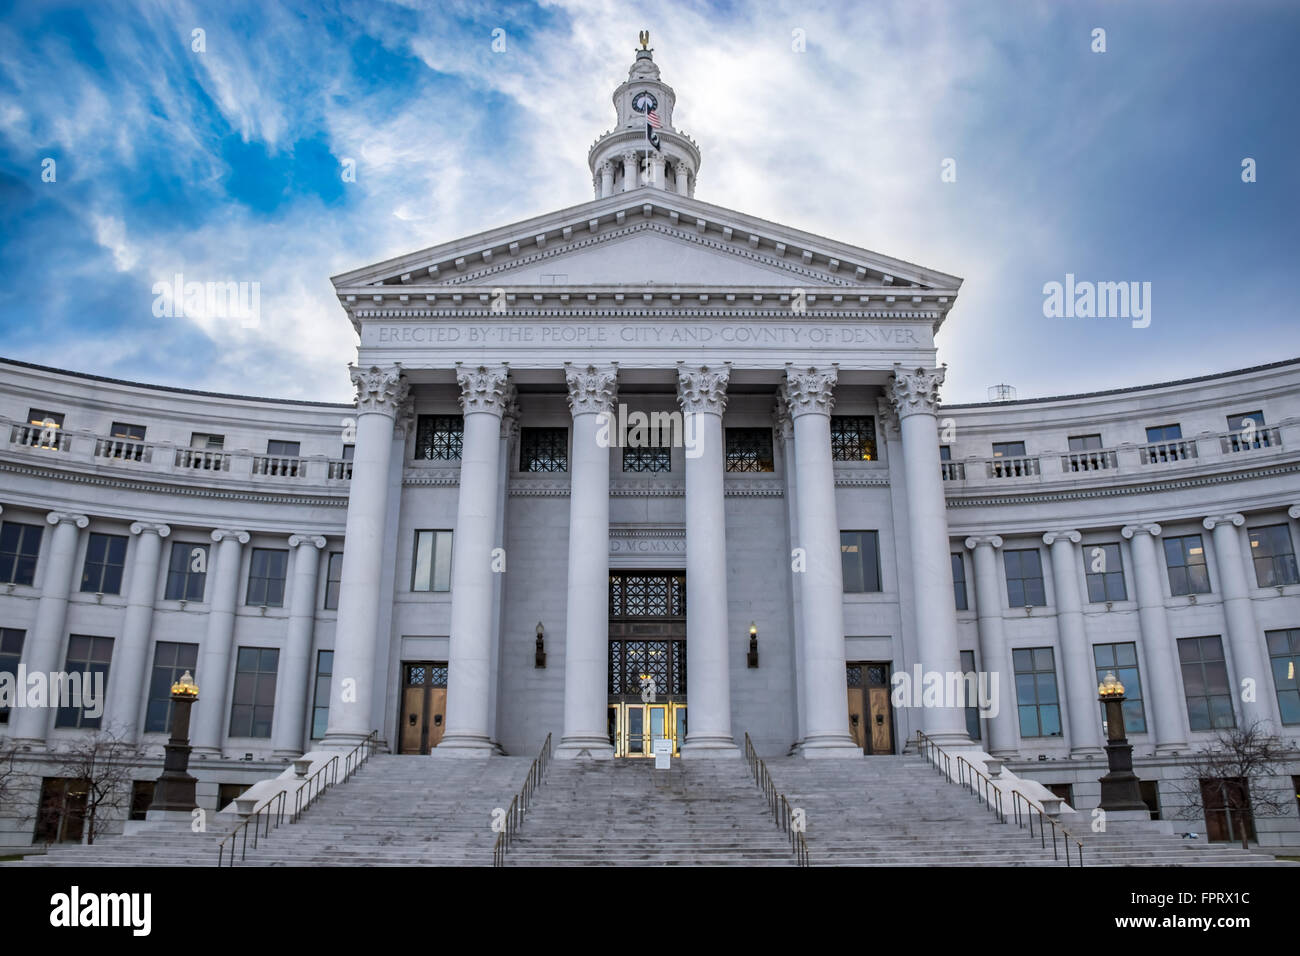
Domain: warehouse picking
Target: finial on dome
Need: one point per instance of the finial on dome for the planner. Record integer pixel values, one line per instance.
(644, 37)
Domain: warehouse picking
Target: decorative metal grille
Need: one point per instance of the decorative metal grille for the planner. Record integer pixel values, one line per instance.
(855, 675)
(656, 457)
(647, 595)
(665, 661)
(749, 449)
(876, 675)
(439, 437)
(422, 675)
(543, 449)
(853, 438)
(415, 675)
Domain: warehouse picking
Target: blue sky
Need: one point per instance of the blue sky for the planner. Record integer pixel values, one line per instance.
(225, 164)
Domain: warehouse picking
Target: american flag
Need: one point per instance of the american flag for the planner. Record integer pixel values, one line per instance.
(653, 119)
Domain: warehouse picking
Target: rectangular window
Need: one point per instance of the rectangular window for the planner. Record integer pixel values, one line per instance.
(1024, 578)
(431, 567)
(46, 433)
(105, 559)
(1246, 420)
(266, 573)
(749, 449)
(1205, 683)
(1159, 433)
(1036, 696)
(1105, 574)
(1274, 556)
(349, 452)
(1185, 558)
(653, 452)
(439, 437)
(1121, 660)
(333, 580)
(853, 438)
(283, 449)
(1284, 657)
(61, 814)
(320, 710)
(227, 793)
(11, 652)
(207, 442)
(959, 581)
(187, 571)
(87, 656)
(973, 711)
(543, 449)
(129, 432)
(945, 452)
(1008, 449)
(1227, 809)
(860, 561)
(170, 661)
(253, 703)
(20, 544)
(1084, 442)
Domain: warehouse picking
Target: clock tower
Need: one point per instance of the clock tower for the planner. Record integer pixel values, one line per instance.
(625, 157)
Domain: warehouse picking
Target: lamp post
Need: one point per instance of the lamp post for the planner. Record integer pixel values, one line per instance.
(1120, 791)
(174, 790)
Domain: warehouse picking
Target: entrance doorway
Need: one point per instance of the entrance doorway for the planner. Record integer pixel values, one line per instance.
(647, 661)
(424, 706)
(871, 716)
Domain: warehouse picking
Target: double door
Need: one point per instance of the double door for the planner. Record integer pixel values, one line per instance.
(871, 717)
(424, 706)
(634, 727)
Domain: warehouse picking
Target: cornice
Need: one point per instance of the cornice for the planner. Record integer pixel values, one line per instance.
(670, 309)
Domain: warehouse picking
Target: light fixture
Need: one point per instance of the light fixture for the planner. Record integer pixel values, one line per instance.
(1110, 686)
(752, 656)
(539, 656)
(185, 688)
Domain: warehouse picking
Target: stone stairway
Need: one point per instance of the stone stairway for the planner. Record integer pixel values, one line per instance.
(702, 812)
(398, 810)
(899, 811)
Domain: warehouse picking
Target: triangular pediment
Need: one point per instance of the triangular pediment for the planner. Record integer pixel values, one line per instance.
(641, 238)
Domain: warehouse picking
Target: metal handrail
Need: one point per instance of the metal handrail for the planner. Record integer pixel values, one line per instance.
(971, 779)
(520, 803)
(782, 814)
(315, 785)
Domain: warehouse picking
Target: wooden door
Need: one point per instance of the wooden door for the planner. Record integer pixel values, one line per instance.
(437, 715)
(424, 706)
(881, 719)
(414, 718)
(857, 712)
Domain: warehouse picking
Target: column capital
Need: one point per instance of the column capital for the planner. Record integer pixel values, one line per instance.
(59, 517)
(1294, 511)
(1150, 527)
(782, 420)
(915, 391)
(593, 389)
(887, 417)
(381, 390)
(483, 388)
(404, 419)
(703, 389)
(304, 538)
(1215, 520)
(510, 417)
(221, 534)
(161, 530)
(1070, 535)
(976, 540)
(810, 391)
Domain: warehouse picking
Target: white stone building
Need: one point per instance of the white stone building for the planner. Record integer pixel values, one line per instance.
(470, 558)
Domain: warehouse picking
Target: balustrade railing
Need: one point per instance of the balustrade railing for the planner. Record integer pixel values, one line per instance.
(1165, 452)
(1250, 440)
(202, 459)
(1011, 467)
(520, 803)
(952, 470)
(277, 467)
(123, 449)
(1096, 459)
(782, 813)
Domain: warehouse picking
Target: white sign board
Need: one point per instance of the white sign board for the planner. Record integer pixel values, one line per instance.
(663, 751)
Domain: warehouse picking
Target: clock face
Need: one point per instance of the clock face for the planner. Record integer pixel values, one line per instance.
(644, 102)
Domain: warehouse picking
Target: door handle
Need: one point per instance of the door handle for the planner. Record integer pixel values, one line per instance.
(437, 720)
(412, 719)
(880, 719)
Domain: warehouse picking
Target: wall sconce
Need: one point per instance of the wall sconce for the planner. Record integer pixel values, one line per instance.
(752, 657)
(539, 659)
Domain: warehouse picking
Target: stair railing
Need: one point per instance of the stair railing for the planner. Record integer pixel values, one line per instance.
(971, 779)
(271, 814)
(520, 803)
(779, 806)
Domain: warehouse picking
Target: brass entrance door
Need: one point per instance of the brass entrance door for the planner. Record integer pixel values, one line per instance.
(424, 706)
(647, 661)
(871, 716)
(633, 728)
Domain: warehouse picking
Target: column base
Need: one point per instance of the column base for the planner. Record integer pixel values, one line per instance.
(714, 745)
(584, 747)
(464, 745)
(340, 740)
(818, 746)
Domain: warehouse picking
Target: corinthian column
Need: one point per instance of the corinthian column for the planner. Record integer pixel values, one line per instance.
(592, 393)
(484, 395)
(29, 725)
(214, 663)
(784, 428)
(131, 664)
(1245, 641)
(702, 394)
(606, 179)
(630, 171)
(915, 395)
(1162, 663)
(1076, 652)
(295, 671)
(809, 395)
(381, 393)
(1003, 735)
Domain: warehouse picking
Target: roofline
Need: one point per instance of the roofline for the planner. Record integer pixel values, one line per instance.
(170, 388)
(1130, 388)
